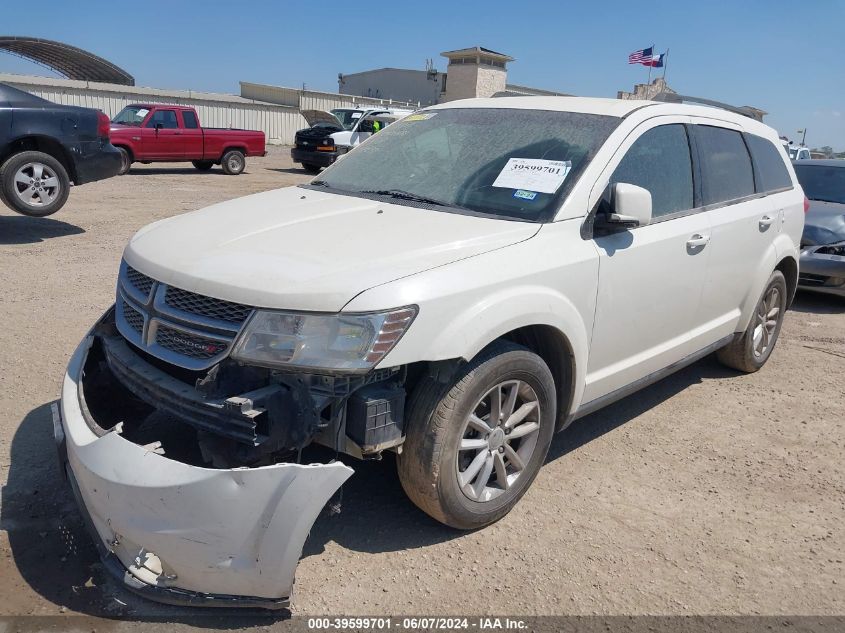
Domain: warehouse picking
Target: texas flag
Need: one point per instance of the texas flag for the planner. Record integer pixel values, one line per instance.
(656, 61)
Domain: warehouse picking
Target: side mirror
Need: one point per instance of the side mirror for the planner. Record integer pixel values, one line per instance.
(630, 205)
(159, 126)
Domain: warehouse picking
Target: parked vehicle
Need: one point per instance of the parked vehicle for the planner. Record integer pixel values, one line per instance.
(822, 262)
(798, 152)
(333, 134)
(150, 133)
(461, 286)
(45, 146)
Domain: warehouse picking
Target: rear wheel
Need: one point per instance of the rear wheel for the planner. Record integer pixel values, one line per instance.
(311, 168)
(233, 162)
(750, 351)
(473, 448)
(125, 161)
(203, 165)
(34, 184)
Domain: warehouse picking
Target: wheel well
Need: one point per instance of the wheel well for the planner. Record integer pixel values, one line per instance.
(41, 144)
(789, 267)
(242, 150)
(127, 149)
(554, 348)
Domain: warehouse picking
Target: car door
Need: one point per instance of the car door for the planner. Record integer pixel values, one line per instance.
(744, 224)
(650, 277)
(162, 137)
(192, 148)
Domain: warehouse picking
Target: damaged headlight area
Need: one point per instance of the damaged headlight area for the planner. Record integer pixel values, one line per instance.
(201, 485)
(342, 342)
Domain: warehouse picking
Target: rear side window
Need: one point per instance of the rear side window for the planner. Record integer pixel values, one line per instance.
(167, 118)
(190, 119)
(660, 161)
(771, 174)
(725, 165)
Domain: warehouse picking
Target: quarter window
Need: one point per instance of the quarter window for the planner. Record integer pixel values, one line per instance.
(660, 161)
(771, 174)
(167, 118)
(190, 119)
(725, 165)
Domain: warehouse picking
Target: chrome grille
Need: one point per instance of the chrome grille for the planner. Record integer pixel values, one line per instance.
(139, 280)
(133, 318)
(180, 327)
(188, 344)
(206, 306)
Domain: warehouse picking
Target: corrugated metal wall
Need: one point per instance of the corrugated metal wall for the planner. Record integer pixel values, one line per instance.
(278, 122)
(314, 99)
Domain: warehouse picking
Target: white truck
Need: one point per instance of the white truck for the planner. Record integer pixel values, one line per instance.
(460, 287)
(333, 134)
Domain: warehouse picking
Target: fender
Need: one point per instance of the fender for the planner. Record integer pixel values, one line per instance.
(761, 275)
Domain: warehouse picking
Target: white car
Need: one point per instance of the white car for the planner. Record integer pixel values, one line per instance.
(466, 283)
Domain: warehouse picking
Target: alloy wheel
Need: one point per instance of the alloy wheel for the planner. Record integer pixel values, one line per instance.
(498, 440)
(766, 320)
(36, 184)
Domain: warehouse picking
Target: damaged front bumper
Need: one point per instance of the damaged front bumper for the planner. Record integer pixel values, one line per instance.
(822, 269)
(180, 533)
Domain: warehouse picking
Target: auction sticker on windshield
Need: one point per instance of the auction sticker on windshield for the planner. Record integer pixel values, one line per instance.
(533, 174)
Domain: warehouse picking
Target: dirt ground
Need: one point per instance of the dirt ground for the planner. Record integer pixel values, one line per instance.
(707, 493)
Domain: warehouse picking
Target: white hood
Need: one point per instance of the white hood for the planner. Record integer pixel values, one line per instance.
(302, 249)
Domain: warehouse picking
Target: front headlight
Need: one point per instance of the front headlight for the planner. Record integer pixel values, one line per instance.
(346, 342)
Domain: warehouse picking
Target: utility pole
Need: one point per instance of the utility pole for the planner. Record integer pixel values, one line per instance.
(804, 136)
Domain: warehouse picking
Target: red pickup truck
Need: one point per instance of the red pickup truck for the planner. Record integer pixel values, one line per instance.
(149, 133)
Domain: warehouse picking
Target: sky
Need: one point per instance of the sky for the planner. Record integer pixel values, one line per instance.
(787, 58)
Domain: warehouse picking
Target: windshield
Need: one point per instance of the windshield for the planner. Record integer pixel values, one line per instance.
(822, 182)
(347, 118)
(131, 115)
(510, 163)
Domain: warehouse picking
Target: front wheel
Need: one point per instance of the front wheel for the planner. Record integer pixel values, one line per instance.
(311, 168)
(34, 184)
(203, 165)
(125, 161)
(233, 162)
(750, 351)
(473, 448)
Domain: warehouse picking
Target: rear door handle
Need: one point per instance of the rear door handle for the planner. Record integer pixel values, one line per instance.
(766, 221)
(698, 240)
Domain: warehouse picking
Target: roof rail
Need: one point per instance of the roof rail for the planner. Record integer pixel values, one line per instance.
(671, 97)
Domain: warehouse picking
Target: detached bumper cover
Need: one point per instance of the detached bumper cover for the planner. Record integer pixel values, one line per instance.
(822, 270)
(184, 534)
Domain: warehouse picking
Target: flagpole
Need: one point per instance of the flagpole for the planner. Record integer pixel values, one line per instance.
(648, 84)
(665, 65)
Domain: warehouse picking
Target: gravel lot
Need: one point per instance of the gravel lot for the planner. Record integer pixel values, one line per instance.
(708, 493)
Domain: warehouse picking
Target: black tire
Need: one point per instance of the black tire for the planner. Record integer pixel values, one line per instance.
(125, 161)
(9, 189)
(203, 165)
(311, 168)
(438, 414)
(233, 162)
(744, 353)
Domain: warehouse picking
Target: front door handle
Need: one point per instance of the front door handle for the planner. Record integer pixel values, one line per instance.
(766, 221)
(698, 241)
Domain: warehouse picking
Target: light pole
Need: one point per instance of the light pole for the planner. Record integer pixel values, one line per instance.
(804, 136)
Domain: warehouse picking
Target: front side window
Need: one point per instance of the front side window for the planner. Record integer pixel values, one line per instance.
(825, 183)
(167, 119)
(660, 161)
(725, 165)
(504, 162)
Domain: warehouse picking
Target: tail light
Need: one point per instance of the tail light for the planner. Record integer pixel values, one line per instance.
(806, 204)
(103, 125)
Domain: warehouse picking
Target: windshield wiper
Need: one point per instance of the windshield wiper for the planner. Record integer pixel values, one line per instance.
(407, 195)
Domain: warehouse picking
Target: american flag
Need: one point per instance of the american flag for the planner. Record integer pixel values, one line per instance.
(642, 56)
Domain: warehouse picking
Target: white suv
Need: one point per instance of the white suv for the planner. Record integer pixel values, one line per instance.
(466, 283)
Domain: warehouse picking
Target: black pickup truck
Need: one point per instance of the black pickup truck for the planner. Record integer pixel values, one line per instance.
(44, 147)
